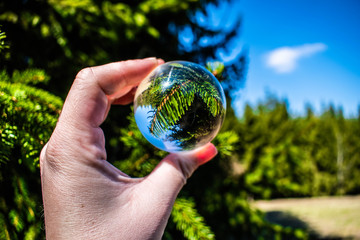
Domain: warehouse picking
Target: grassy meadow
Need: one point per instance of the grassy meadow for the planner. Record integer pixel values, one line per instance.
(323, 217)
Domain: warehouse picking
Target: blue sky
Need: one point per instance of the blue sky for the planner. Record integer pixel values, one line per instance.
(305, 51)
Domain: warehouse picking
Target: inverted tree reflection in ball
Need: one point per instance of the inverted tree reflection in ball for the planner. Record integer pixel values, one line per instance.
(180, 106)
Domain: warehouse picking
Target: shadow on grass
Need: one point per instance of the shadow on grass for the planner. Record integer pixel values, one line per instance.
(288, 220)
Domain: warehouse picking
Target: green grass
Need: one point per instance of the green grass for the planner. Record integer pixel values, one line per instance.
(324, 217)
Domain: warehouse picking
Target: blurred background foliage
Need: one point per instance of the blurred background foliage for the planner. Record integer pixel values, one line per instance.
(265, 154)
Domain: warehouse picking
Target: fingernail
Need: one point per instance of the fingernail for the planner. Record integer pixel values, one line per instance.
(150, 58)
(206, 153)
(160, 61)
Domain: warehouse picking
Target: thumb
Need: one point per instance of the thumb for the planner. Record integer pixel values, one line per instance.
(172, 172)
(162, 186)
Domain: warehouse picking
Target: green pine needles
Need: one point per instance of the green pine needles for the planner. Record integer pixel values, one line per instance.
(188, 220)
(173, 94)
(28, 117)
(3, 44)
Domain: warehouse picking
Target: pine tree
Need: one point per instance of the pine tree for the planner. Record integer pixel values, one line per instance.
(84, 33)
(28, 116)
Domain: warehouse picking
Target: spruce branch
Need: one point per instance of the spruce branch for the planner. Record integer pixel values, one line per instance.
(189, 221)
(3, 44)
(170, 105)
(28, 115)
(31, 76)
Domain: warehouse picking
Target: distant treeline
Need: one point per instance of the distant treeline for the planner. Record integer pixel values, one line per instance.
(279, 155)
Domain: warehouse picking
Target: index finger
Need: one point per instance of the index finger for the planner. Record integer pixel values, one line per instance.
(95, 88)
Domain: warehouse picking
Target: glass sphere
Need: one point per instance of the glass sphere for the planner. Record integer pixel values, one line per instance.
(180, 106)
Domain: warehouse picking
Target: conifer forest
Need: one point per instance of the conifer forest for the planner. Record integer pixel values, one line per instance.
(266, 153)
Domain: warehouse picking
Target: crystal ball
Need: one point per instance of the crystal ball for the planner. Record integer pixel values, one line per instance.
(179, 106)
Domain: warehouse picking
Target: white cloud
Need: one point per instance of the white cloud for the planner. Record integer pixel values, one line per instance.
(284, 59)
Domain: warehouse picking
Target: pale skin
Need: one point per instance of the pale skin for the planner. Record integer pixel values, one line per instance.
(84, 196)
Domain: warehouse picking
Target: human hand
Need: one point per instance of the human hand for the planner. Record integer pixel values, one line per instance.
(84, 196)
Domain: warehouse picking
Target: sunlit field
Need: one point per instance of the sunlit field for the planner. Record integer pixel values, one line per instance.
(324, 217)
